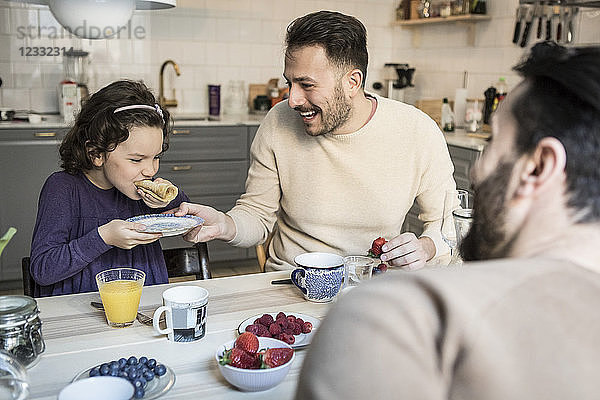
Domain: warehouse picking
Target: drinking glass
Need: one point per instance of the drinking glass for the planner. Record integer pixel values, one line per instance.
(357, 269)
(457, 212)
(120, 290)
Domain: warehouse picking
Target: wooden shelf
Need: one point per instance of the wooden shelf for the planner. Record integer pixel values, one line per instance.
(443, 20)
(468, 20)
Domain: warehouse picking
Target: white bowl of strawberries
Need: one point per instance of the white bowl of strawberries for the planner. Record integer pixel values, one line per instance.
(252, 363)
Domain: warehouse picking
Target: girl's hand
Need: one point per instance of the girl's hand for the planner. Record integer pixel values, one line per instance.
(126, 235)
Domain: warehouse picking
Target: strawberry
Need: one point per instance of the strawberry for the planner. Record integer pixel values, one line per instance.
(240, 359)
(276, 357)
(248, 342)
(375, 250)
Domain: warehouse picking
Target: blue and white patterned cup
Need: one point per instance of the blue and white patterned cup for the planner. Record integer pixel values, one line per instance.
(320, 276)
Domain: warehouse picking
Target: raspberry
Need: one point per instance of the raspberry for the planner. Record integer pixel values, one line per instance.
(297, 329)
(252, 328)
(300, 321)
(275, 329)
(307, 327)
(256, 321)
(263, 331)
(280, 315)
(288, 331)
(291, 318)
(289, 339)
(382, 267)
(266, 320)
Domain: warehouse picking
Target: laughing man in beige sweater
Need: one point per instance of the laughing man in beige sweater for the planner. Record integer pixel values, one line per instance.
(335, 167)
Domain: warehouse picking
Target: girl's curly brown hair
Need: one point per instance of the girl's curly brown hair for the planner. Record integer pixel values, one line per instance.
(98, 130)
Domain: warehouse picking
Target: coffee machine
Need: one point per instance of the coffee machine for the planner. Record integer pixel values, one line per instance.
(399, 82)
(73, 89)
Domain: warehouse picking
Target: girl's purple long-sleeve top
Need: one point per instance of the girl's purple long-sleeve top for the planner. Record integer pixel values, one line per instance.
(67, 252)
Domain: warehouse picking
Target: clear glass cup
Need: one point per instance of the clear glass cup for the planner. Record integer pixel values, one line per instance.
(13, 378)
(120, 290)
(456, 203)
(357, 269)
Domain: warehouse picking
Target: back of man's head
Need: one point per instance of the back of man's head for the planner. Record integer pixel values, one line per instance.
(561, 99)
(343, 37)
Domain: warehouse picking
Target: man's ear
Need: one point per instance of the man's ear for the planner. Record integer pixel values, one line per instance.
(545, 167)
(355, 79)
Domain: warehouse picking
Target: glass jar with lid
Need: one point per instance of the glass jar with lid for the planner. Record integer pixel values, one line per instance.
(13, 378)
(21, 329)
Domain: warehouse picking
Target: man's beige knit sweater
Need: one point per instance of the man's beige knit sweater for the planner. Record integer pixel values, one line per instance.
(337, 193)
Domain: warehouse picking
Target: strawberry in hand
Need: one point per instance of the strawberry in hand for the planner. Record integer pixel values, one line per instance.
(375, 250)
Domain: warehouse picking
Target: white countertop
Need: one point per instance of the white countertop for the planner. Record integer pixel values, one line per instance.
(56, 121)
(458, 138)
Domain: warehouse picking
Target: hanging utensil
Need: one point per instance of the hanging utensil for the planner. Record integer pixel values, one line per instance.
(541, 16)
(570, 23)
(528, 23)
(518, 19)
(549, 14)
(558, 11)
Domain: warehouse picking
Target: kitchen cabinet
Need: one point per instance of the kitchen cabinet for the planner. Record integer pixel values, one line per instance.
(210, 163)
(463, 159)
(27, 158)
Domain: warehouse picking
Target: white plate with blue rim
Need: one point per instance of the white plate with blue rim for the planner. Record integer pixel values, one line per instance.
(167, 224)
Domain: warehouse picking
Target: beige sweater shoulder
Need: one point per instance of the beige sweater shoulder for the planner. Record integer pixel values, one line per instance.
(336, 193)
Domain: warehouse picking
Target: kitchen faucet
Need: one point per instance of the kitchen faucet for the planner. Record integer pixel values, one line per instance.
(164, 102)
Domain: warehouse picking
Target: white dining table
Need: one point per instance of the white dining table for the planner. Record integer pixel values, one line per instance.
(77, 337)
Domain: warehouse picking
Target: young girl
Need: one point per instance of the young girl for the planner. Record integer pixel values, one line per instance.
(81, 230)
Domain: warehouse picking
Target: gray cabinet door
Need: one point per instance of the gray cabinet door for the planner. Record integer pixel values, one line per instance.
(208, 143)
(27, 158)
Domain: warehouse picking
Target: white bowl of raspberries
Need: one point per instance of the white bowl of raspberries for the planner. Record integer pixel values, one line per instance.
(253, 364)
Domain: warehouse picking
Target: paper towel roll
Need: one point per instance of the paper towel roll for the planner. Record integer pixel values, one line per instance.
(460, 106)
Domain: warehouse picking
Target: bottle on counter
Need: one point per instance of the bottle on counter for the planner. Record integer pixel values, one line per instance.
(447, 116)
(501, 91)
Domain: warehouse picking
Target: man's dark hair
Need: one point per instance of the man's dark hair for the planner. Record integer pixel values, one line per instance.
(343, 37)
(98, 130)
(561, 99)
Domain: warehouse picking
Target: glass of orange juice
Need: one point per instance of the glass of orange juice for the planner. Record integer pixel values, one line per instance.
(120, 290)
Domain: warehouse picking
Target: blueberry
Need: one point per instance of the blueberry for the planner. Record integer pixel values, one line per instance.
(160, 370)
(139, 366)
(114, 372)
(145, 369)
(139, 393)
(114, 365)
(132, 360)
(104, 369)
(138, 383)
(143, 360)
(151, 363)
(123, 374)
(95, 371)
(148, 375)
(122, 362)
(132, 375)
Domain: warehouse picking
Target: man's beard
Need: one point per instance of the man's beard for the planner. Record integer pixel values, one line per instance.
(487, 237)
(336, 112)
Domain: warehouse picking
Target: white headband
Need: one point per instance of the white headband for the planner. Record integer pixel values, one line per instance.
(136, 106)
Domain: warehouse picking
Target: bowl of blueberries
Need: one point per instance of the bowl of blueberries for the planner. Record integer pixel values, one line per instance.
(148, 377)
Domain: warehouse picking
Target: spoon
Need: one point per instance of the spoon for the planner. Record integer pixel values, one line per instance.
(143, 319)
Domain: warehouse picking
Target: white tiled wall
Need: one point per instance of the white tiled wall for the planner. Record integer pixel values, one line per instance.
(444, 54)
(215, 41)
